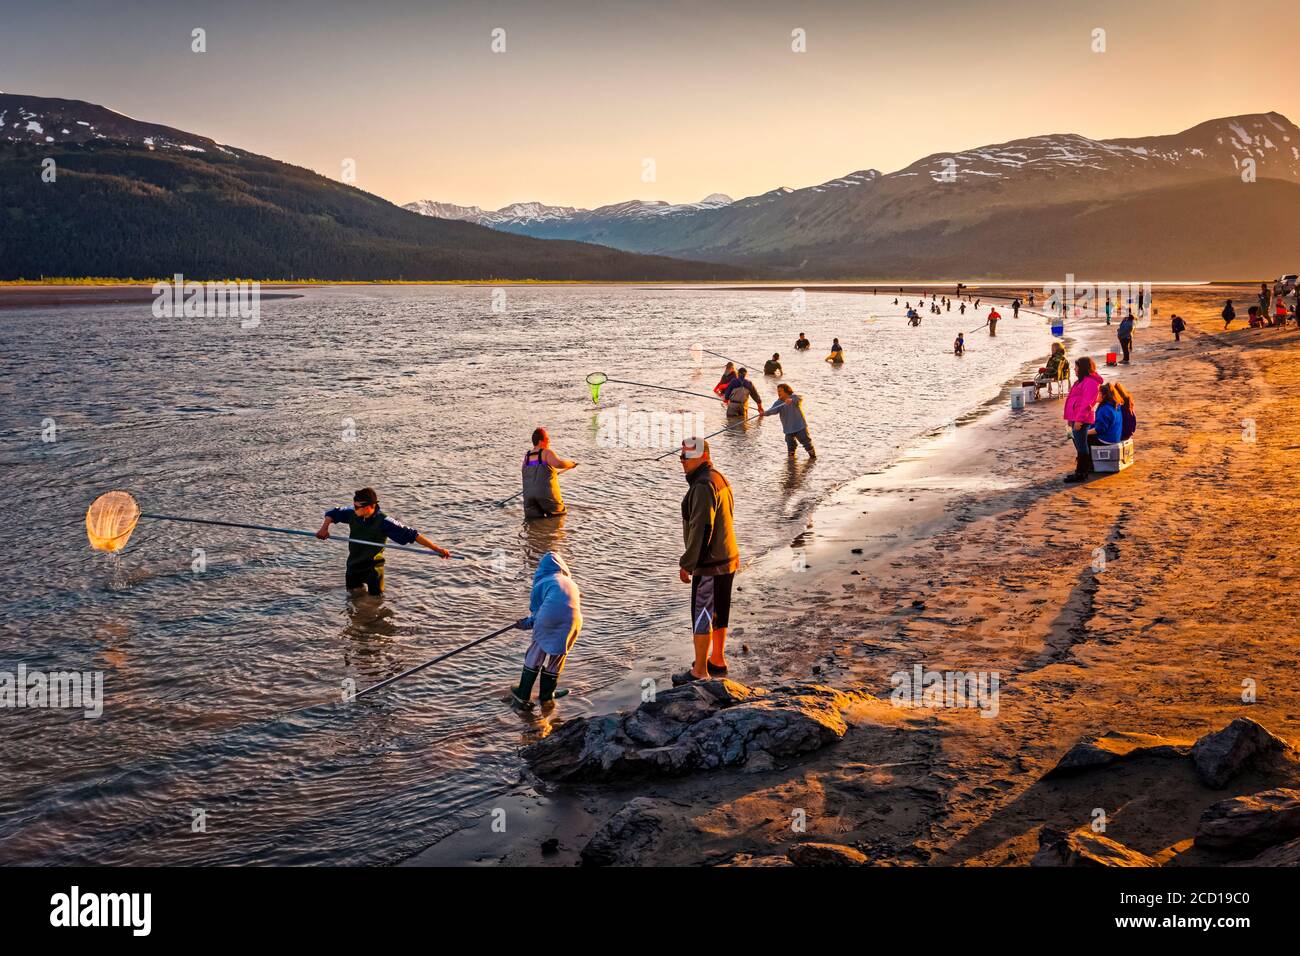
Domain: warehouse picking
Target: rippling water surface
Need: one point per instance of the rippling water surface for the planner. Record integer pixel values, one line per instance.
(202, 418)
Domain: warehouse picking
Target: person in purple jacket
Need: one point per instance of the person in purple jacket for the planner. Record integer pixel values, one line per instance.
(366, 523)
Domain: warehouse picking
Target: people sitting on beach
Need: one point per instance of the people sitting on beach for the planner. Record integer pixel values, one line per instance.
(1228, 313)
(728, 376)
(801, 344)
(1253, 318)
(1108, 423)
(837, 353)
(1125, 402)
(1079, 414)
(773, 365)
(1178, 326)
(737, 395)
(555, 619)
(959, 346)
(1056, 370)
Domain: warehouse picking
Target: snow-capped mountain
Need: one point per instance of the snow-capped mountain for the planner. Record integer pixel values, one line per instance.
(530, 217)
(1132, 205)
(41, 119)
(136, 200)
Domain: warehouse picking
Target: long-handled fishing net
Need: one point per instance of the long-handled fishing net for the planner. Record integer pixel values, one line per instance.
(112, 517)
(596, 379)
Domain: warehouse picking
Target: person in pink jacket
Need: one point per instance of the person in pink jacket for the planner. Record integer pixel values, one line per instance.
(1079, 412)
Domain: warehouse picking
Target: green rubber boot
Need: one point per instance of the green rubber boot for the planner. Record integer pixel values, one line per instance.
(524, 691)
(548, 691)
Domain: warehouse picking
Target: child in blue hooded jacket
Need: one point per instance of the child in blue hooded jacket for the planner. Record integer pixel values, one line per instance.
(555, 621)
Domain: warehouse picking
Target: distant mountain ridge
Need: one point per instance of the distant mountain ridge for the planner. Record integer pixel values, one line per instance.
(947, 207)
(131, 199)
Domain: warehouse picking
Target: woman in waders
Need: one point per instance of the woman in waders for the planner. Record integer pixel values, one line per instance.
(542, 498)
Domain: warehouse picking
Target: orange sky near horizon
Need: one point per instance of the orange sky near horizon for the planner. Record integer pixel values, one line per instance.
(586, 92)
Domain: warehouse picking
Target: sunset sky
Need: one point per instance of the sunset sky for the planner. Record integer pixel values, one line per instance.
(586, 91)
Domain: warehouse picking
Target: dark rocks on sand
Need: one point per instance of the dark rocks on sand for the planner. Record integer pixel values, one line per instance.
(1250, 822)
(1112, 747)
(1220, 756)
(825, 854)
(703, 725)
(1284, 854)
(627, 836)
(1082, 847)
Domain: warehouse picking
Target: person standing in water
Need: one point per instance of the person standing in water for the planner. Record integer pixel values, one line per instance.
(959, 346)
(737, 395)
(773, 365)
(555, 619)
(709, 561)
(366, 522)
(837, 354)
(541, 469)
(801, 344)
(1178, 326)
(728, 376)
(793, 422)
(994, 315)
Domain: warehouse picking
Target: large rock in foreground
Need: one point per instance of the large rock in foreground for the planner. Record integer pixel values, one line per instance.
(1250, 822)
(703, 725)
(1220, 756)
(1114, 747)
(1082, 847)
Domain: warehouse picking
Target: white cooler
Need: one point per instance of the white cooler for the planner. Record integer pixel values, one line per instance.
(1112, 457)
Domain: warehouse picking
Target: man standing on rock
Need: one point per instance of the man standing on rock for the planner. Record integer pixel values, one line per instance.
(710, 560)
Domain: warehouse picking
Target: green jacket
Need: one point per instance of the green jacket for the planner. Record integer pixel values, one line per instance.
(707, 525)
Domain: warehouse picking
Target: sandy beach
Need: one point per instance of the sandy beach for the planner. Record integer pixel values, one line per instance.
(971, 554)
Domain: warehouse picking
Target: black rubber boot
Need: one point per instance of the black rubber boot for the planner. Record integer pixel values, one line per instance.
(524, 691)
(1082, 466)
(548, 691)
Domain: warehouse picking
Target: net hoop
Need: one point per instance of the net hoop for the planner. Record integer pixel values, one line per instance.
(110, 519)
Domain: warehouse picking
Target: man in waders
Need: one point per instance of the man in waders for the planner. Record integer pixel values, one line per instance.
(542, 498)
(367, 523)
(710, 560)
(737, 395)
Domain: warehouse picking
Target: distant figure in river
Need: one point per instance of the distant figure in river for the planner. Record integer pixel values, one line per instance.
(994, 315)
(1228, 313)
(541, 469)
(962, 308)
(366, 523)
(895, 302)
(555, 618)
(977, 305)
(737, 395)
(728, 376)
(1015, 308)
(837, 354)
(773, 365)
(913, 317)
(1178, 326)
(793, 423)
(802, 344)
(959, 346)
